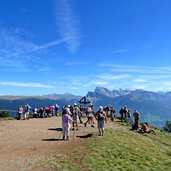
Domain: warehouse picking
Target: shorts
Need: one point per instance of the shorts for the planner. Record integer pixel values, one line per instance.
(75, 118)
(100, 124)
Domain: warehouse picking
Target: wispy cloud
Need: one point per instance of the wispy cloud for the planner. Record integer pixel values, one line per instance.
(99, 83)
(112, 76)
(166, 83)
(139, 87)
(137, 69)
(67, 24)
(23, 84)
(17, 52)
(140, 80)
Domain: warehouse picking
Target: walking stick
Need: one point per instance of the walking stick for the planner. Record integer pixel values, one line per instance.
(73, 135)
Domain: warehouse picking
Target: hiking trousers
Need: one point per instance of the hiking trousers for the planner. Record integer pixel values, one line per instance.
(66, 129)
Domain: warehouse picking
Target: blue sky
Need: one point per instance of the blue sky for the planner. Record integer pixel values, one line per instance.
(58, 46)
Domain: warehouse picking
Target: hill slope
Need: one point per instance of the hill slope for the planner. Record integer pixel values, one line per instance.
(119, 149)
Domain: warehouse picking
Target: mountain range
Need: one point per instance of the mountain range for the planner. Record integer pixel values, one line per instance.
(154, 107)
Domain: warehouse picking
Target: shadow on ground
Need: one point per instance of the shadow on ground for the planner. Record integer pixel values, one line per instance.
(52, 139)
(85, 136)
(55, 129)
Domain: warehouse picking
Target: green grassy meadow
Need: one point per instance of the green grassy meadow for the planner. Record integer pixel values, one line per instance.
(118, 150)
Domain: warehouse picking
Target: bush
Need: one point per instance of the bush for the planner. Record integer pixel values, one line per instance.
(4, 114)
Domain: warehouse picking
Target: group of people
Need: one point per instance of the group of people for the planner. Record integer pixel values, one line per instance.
(125, 115)
(74, 114)
(40, 112)
(24, 112)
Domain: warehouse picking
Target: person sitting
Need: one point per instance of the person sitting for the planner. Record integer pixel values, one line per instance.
(146, 129)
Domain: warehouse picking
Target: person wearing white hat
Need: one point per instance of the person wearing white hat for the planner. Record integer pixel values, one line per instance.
(75, 116)
(100, 115)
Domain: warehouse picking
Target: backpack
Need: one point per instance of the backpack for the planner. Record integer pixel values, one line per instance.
(75, 111)
(125, 110)
(100, 116)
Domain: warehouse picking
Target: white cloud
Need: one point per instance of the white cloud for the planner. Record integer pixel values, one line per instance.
(100, 83)
(23, 84)
(47, 45)
(140, 80)
(112, 76)
(166, 83)
(139, 87)
(137, 69)
(73, 88)
(67, 24)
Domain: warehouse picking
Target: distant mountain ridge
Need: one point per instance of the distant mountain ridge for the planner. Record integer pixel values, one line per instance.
(154, 107)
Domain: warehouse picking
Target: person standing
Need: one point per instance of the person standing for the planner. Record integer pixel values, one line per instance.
(121, 113)
(75, 116)
(56, 109)
(100, 115)
(66, 119)
(136, 115)
(20, 112)
(129, 120)
(112, 113)
(136, 119)
(27, 111)
(125, 112)
(35, 114)
(90, 116)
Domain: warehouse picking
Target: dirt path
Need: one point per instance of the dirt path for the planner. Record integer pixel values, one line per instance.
(23, 143)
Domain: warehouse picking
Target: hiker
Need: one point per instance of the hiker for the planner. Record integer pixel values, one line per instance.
(20, 112)
(146, 129)
(53, 110)
(100, 115)
(129, 120)
(50, 110)
(135, 125)
(56, 109)
(27, 111)
(136, 116)
(35, 114)
(90, 116)
(68, 108)
(46, 112)
(107, 110)
(66, 119)
(125, 112)
(112, 113)
(121, 113)
(41, 112)
(75, 112)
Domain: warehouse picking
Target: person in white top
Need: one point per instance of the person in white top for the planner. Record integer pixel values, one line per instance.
(90, 116)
